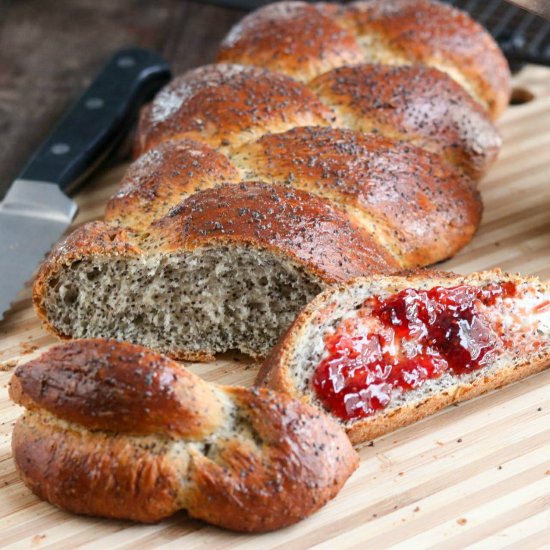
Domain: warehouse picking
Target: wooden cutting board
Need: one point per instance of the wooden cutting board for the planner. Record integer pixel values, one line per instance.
(474, 474)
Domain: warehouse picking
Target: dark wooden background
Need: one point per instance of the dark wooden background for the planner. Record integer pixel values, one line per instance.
(50, 49)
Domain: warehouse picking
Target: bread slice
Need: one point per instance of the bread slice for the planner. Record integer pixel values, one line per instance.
(115, 430)
(510, 339)
(227, 268)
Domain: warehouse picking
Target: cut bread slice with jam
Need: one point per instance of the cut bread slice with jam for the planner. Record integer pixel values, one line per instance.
(384, 351)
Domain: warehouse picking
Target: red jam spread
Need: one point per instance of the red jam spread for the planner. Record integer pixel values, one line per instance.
(414, 336)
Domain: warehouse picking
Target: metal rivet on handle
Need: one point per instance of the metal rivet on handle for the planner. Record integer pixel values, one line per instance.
(60, 148)
(94, 103)
(126, 61)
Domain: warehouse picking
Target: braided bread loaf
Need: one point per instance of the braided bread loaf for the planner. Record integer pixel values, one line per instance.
(193, 268)
(114, 430)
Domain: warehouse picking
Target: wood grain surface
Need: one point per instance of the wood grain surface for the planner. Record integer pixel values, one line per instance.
(477, 474)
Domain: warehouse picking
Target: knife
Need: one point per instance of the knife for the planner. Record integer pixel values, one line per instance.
(36, 209)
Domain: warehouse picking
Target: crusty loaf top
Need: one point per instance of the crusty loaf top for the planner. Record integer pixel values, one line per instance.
(305, 41)
(224, 105)
(403, 198)
(417, 207)
(413, 103)
(439, 35)
(294, 38)
(287, 221)
(163, 177)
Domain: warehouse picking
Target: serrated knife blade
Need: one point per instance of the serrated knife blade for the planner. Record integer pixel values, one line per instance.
(36, 211)
(33, 216)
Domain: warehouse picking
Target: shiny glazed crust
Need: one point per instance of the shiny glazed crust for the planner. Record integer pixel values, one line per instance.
(115, 430)
(418, 208)
(294, 38)
(402, 32)
(224, 105)
(288, 222)
(420, 105)
(435, 34)
(163, 177)
(229, 106)
(399, 196)
(278, 370)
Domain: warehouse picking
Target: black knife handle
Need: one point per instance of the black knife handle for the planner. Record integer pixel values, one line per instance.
(105, 110)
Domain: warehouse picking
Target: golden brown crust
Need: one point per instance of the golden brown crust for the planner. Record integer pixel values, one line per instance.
(269, 462)
(275, 371)
(438, 35)
(402, 197)
(225, 104)
(95, 473)
(292, 38)
(101, 386)
(398, 32)
(163, 177)
(230, 105)
(292, 223)
(417, 104)
(417, 207)
(309, 454)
